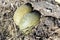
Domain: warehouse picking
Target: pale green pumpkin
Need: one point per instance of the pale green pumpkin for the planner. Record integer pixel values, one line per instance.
(25, 18)
(20, 12)
(29, 21)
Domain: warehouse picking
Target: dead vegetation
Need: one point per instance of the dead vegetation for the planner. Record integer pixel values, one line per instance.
(47, 29)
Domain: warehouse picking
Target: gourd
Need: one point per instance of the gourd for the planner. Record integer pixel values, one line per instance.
(26, 18)
(21, 11)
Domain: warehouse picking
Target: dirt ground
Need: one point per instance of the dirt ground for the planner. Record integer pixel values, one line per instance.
(47, 29)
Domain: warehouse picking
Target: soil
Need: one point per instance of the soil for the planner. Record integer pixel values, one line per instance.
(47, 29)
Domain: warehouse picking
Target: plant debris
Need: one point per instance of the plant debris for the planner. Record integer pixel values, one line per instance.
(47, 29)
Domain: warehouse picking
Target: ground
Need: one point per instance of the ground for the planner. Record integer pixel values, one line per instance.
(47, 29)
